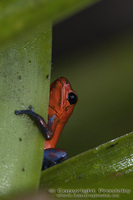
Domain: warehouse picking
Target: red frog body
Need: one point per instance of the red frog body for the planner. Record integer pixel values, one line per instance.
(60, 108)
(61, 104)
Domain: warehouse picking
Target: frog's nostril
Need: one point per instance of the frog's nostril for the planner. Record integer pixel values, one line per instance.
(67, 81)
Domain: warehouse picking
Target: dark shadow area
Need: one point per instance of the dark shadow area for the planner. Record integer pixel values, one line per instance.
(91, 26)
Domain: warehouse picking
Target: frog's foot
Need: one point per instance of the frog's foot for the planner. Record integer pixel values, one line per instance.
(53, 157)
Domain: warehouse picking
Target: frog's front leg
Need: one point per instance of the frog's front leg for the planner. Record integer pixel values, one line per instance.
(41, 124)
(53, 157)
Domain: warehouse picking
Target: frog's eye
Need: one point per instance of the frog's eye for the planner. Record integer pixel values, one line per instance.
(72, 98)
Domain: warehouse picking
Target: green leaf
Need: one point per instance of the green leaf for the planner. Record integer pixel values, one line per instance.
(18, 15)
(109, 166)
(24, 81)
(25, 61)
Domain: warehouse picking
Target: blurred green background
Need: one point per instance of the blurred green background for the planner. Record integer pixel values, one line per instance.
(94, 50)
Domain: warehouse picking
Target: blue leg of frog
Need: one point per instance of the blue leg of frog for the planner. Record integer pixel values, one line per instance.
(53, 157)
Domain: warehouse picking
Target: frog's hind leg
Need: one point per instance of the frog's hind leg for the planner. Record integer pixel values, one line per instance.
(53, 157)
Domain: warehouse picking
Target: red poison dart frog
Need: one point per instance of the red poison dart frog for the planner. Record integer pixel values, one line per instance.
(61, 104)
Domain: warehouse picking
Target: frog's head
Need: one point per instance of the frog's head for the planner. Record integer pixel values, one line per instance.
(62, 98)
